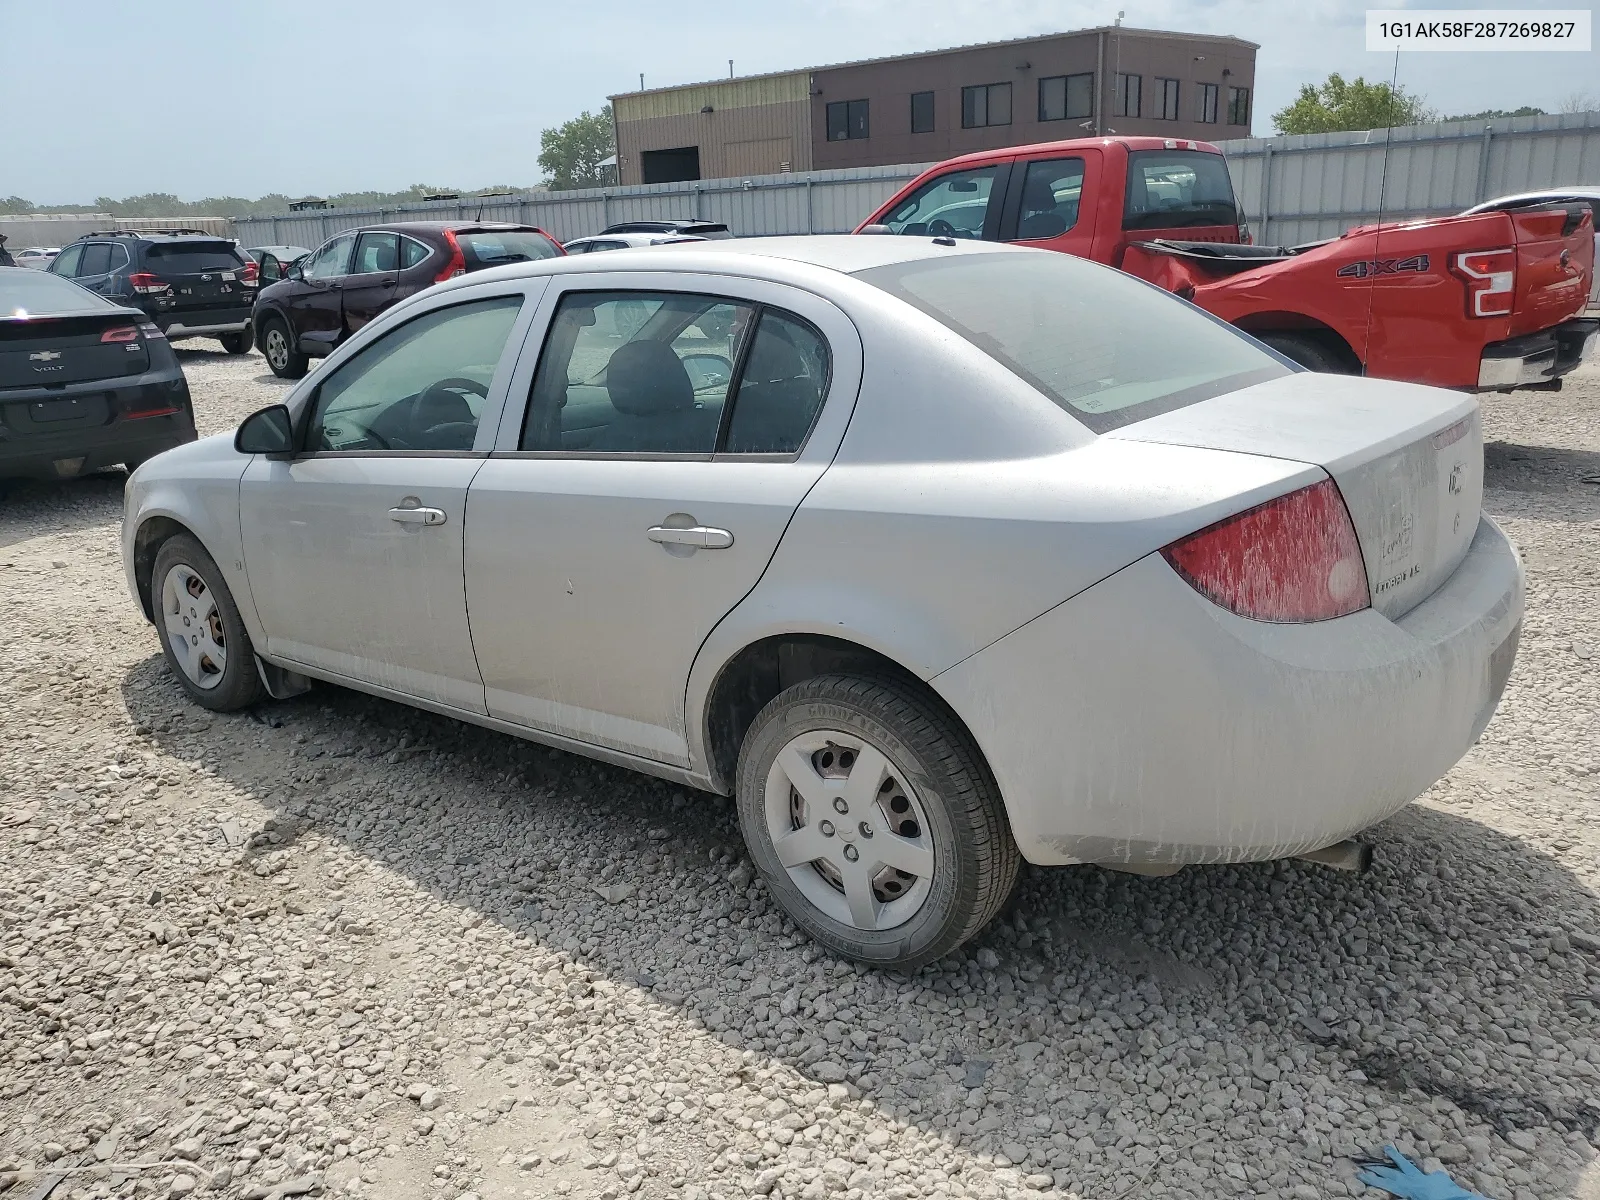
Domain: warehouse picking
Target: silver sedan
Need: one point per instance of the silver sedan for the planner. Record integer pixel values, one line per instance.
(939, 557)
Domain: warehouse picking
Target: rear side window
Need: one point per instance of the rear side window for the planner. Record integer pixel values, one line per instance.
(96, 259)
(781, 389)
(504, 246)
(412, 252)
(1107, 348)
(1175, 189)
(182, 258)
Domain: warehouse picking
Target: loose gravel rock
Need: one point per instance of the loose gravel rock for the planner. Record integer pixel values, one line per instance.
(338, 946)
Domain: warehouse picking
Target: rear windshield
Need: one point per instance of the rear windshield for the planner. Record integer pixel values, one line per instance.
(25, 292)
(181, 258)
(1175, 189)
(504, 246)
(1107, 348)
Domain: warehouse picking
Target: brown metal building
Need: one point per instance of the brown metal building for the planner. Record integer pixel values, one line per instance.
(917, 108)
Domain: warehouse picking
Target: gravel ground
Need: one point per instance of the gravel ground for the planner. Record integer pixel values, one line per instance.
(338, 945)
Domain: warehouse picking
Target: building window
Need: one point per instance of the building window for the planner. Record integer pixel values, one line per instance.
(847, 120)
(1064, 96)
(1208, 104)
(1167, 98)
(1238, 106)
(987, 104)
(921, 112)
(1127, 96)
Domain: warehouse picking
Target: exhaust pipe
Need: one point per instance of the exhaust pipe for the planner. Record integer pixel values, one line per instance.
(1348, 855)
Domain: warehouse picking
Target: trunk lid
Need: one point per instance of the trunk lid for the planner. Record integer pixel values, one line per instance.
(1555, 263)
(1408, 461)
(46, 351)
(201, 274)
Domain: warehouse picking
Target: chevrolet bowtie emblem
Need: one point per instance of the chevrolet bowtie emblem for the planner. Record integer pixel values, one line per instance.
(44, 356)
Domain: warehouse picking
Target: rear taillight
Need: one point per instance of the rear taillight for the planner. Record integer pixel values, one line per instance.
(250, 274)
(1491, 279)
(1295, 558)
(122, 333)
(147, 284)
(457, 264)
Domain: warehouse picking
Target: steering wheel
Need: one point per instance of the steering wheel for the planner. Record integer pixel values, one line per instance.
(455, 383)
(456, 435)
(939, 227)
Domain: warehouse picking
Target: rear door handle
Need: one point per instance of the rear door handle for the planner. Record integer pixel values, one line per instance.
(703, 537)
(418, 516)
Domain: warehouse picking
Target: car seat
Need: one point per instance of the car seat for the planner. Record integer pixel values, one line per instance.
(654, 401)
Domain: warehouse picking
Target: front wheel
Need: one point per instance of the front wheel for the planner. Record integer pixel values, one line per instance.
(237, 343)
(278, 346)
(873, 819)
(202, 635)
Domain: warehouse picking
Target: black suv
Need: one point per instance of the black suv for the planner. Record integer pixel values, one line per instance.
(188, 282)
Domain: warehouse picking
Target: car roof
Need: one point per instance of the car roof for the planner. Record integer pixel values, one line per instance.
(158, 235)
(441, 226)
(1003, 153)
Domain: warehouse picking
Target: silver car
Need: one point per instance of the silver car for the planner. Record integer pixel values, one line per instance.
(940, 556)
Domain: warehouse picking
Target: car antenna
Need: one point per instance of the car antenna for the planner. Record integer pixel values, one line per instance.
(1377, 233)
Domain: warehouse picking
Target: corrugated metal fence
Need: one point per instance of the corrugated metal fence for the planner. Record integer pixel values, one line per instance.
(1294, 189)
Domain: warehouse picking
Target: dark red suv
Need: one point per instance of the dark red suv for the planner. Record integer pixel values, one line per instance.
(326, 296)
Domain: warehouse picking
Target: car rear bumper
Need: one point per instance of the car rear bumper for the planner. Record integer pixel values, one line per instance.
(203, 322)
(35, 451)
(1538, 357)
(1140, 724)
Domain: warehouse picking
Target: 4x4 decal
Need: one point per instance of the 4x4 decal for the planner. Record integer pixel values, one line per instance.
(1383, 266)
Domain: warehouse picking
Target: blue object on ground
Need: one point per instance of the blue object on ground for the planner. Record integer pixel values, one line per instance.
(1405, 1180)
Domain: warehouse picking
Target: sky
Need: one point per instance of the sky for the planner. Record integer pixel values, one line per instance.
(210, 97)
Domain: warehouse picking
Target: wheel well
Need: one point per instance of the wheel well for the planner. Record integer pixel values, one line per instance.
(1308, 327)
(146, 545)
(763, 669)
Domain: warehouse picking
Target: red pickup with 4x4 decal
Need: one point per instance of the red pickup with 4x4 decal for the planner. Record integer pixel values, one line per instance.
(1489, 301)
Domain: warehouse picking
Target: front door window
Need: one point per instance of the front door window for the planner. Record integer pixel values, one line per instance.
(954, 205)
(332, 260)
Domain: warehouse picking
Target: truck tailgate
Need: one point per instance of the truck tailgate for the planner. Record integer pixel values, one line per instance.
(1555, 263)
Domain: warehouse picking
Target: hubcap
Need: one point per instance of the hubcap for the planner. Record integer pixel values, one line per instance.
(193, 626)
(849, 830)
(277, 347)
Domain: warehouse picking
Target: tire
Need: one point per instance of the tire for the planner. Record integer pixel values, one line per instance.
(277, 344)
(1308, 352)
(935, 793)
(237, 343)
(192, 605)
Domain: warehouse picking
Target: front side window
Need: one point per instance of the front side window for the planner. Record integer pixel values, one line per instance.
(1238, 106)
(953, 205)
(847, 120)
(332, 260)
(376, 252)
(1106, 348)
(1066, 96)
(1167, 99)
(420, 387)
(1051, 192)
(987, 104)
(922, 112)
(66, 263)
(1127, 104)
(635, 373)
(1176, 189)
(1207, 113)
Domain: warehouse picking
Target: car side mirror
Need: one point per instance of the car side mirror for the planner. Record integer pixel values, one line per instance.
(293, 271)
(875, 229)
(269, 432)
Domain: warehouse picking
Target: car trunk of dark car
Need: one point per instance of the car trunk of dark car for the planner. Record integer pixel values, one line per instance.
(44, 351)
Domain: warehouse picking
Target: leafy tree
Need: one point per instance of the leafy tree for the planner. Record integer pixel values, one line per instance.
(570, 155)
(1489, 114)
(1336, 105)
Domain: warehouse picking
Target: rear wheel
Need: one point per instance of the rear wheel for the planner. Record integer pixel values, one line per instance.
(202, 635)
(1310, 353)
(277, 344)
(237, 343)
(874, 821)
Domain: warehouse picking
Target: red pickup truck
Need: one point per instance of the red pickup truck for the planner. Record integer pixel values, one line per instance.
(1489, 301)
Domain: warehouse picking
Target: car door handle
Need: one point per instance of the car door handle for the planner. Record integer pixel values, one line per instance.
(702, 537)
(418, 516)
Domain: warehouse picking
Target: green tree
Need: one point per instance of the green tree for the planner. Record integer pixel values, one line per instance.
(1336, 105)
(1489, 114)
(570, 155)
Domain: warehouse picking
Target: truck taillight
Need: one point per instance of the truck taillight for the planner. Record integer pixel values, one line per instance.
(147, 284)
(1292, 559)
(457, 264)
(1491, 279)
